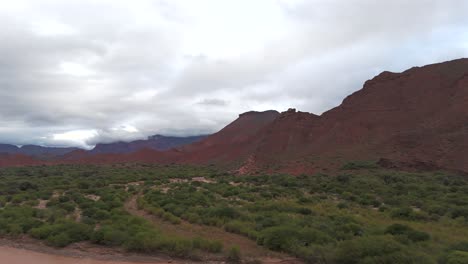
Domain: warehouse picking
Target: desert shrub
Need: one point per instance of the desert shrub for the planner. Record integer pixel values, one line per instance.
(59, 240)
(356, 165)
(15, 229)
(279, 238)
(410, 233)
(110, 236)
(67, 206)
(74, 232)
(176, 246)
(343, 178)
(171, 218)
(224, 212)
(437, 210)
(234, 255)
(342, 205)
(304, 211)
(101, 214)
(207, 245)
(459, 212)
(462, 246)
(240, 227)
(143, 242)
(308, 236)
(378, 249)
(192, 218)
(408, 213)
(24, 186)
(457, 257)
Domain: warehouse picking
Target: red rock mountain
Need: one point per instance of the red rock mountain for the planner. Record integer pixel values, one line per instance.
(232, 143)
(419, 116)
(8, 160)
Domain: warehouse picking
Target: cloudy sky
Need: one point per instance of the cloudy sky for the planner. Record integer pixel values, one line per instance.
(87, 71)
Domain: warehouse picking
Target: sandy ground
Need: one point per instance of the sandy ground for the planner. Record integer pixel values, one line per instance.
(12, 255)
(27, 251)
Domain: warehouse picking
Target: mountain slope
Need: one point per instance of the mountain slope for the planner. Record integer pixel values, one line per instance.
(35, 151)
(419, 115)
(44, 152)
(7, 148)
(232, 143)
(156, 142)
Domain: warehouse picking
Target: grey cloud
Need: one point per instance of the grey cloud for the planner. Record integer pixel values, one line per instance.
(128, 63)
(213, 102)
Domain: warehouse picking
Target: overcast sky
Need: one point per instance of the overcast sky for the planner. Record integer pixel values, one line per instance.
(81, 72)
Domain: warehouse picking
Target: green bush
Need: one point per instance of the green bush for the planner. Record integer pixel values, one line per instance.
(410, 233)
(280, 238)
(110, 236)
(308, 236)
(224, 212)
(462, 246)
(242, 228)
(57, 232)
(59, 240)
(171, 218)
(15, 229)
(234, 255)
(356, 165)
(207, 245)
(457, 257)
(409, 214)
(365, 249)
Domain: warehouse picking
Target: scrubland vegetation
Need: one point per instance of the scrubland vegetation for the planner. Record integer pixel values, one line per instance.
(361, 214)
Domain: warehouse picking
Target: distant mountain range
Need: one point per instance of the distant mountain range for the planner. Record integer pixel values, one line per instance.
(35, 151)
(414, 119)
(156, 142)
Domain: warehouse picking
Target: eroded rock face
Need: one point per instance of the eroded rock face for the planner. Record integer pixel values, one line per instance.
(233, 143)
(419, 116)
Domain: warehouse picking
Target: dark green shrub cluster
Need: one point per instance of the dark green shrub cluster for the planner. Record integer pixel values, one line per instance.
(234, 255)
(357, 165)
(137, 234)
(408, 232)
(456, 254)
(408, 214)
(18, 220)
(62, 233)
(376, 249)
